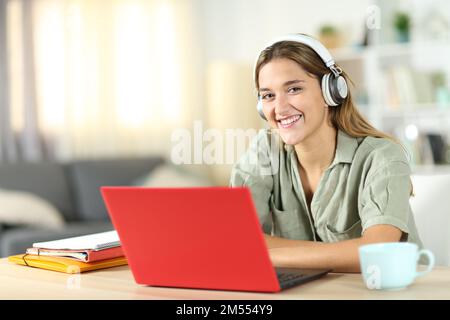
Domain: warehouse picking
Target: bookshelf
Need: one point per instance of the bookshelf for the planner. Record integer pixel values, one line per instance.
(389, 83)
(402, 84)
(399, 86)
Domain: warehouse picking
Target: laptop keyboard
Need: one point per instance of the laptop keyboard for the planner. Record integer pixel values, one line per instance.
(288, 280)
(283, 277)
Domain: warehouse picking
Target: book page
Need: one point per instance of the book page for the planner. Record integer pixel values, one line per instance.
(79, 255)
(97, 241)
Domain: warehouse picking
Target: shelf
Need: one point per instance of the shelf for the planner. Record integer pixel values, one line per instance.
(391, 50)
(418, 111)
(408, 68)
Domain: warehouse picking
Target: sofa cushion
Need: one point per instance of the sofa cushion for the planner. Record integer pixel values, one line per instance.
(21, 208)
(88, 176)
(46, 180)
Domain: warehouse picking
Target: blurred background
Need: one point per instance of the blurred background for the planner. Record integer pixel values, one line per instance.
(112, 78)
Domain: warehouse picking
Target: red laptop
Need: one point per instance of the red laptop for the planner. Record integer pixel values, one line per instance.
(204, 238)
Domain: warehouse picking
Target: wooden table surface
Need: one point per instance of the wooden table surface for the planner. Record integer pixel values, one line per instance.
(20, 282)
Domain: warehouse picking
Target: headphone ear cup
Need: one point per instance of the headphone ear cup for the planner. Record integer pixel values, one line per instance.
(338, 89)
(326, 92)
(259, 107)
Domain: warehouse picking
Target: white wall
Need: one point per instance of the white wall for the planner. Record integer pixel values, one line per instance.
(237, 29)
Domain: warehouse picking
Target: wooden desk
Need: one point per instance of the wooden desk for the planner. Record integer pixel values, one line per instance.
(20, 282)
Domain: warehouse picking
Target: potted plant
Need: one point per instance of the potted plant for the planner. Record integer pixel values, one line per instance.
(402, 24)
(329, 36)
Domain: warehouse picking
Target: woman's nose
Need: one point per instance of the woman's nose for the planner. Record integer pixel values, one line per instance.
(281, 104)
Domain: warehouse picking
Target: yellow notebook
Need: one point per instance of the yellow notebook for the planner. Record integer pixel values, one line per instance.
(65, 264)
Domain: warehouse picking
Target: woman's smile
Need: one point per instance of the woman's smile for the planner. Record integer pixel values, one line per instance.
(290, 121)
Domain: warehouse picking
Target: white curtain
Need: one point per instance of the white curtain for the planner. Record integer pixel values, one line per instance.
(108, 77)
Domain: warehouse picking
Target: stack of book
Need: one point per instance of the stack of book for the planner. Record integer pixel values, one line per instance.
(75, 255)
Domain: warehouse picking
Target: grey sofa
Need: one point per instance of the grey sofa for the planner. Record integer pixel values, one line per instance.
(73, 188)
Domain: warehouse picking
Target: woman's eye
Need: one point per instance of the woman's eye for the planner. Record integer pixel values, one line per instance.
(267, 96)
(295, 89)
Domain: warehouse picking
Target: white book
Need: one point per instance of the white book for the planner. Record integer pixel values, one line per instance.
(96, 241)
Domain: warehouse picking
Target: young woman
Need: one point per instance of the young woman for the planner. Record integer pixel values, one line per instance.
(325, 181)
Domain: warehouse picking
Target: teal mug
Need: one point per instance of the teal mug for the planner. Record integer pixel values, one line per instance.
(392, 265)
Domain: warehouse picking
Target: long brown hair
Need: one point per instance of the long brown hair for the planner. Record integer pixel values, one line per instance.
(345, 116)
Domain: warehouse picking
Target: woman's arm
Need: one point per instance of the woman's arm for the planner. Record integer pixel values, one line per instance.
(339, 256)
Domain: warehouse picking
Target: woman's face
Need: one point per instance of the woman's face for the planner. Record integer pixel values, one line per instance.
(292, 100)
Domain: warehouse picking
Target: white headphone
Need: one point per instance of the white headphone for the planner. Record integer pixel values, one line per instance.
(334, 86)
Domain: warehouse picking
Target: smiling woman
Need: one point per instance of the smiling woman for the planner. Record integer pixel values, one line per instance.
(338, 182)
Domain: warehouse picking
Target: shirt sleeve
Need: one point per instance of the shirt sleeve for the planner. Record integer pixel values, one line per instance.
(385, 196)
(253, 170)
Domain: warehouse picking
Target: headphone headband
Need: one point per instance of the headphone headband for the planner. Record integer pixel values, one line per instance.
(314, 44)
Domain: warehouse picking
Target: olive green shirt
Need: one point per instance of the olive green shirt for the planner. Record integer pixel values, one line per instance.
(367, 184)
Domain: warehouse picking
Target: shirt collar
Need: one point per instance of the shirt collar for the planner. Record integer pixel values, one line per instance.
(345, 149)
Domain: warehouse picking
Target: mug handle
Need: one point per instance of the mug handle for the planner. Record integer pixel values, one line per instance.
(430, 257)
